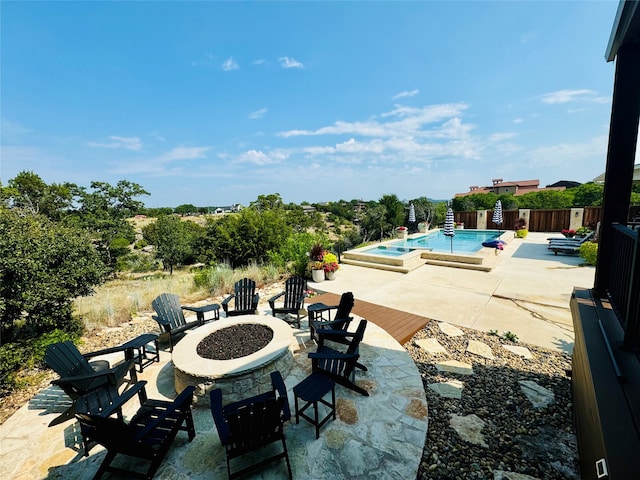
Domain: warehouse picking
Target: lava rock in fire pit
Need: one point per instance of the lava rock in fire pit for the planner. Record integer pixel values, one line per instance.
(235, 341)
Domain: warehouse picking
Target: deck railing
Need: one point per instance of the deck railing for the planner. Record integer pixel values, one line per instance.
(624, 282)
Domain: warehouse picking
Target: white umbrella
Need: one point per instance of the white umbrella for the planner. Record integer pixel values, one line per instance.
(497, 215)
(412, 213)
(449, 228)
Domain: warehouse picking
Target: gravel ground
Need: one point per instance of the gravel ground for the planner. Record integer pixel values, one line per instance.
(520, 438)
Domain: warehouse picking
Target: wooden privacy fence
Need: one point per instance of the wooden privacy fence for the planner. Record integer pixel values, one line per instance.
(543, 220)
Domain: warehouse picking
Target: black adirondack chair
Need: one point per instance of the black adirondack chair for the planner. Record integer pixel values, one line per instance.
(321, 318)
(291, 301)
(78, 376)
(245, 299)
(106, 402)
(148, 435)
(252, 423)
(170, 316)
(341, 365)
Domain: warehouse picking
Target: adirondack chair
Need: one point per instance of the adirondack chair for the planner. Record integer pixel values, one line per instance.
(338, 365)
(293, 301)
(170, 316)
(148, 435)
(245, 299)
(252, 423)
(320, 317)
(106, 402)
(78, 376)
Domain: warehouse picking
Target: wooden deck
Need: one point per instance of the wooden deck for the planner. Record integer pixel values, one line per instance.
(400, 325)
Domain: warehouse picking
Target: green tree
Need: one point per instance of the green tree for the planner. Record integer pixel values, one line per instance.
(43, 267)
(172, 241)
(394, 211)
(372, 225)
(186, 209)
(246, 237)
(546, 199)
(588, 195)
(103, 211)
(29, 192)
(268, 202)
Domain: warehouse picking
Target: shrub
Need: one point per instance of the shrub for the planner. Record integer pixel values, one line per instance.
(589, 251)
(583, 231)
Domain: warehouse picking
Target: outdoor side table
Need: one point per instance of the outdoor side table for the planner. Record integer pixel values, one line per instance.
(312, 390)
(138, 350)
(315, 313)
(200, 311)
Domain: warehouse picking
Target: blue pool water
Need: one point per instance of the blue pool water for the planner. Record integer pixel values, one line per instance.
(465, 241)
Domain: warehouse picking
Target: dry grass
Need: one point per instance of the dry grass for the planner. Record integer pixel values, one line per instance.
(118, 300)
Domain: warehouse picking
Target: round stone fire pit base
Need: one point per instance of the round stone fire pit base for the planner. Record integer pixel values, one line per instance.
(239, 377)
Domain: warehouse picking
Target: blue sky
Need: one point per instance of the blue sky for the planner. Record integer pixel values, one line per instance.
(214, 103)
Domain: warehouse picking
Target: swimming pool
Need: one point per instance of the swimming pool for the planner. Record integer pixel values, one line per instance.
(464, 241)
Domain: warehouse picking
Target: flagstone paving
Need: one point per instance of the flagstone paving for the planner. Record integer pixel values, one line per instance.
(378, 437)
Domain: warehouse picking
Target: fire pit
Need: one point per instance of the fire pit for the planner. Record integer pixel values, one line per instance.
(239, 377)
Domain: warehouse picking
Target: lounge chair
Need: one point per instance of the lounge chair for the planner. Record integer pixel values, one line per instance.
(553, 241)
(568, 249)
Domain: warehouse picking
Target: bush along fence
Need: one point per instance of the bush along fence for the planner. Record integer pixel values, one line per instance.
(547, 220)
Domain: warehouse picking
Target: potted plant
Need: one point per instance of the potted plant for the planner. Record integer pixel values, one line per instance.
(317, 271)
(316, 264)
(520, 228)
(402, 232)
(331, 266)
(423, 227)
(568, 233)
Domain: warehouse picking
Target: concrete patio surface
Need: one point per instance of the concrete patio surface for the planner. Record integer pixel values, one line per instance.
(526, 293)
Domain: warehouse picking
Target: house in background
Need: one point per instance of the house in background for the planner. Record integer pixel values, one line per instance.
(235, 208)
(636, 175)
(516, 188)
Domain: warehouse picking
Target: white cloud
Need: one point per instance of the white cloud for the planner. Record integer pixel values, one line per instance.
(260, 61)
(286, 62)
(517, 120)
(257, 157)
(183, 153)
(258, 114)
(129, 143)
(406, 93)
(230, 64)
(411, 122)
(566, 96)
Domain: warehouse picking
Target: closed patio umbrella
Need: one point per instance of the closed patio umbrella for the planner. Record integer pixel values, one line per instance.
(449, 228)
(497, 215)
(412, 214)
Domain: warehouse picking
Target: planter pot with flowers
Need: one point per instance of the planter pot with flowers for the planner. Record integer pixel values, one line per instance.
(331, 266)
(402, 233)
(423, 227)
(317, 271)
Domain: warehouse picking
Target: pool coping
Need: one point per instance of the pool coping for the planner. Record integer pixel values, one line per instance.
(484, 259)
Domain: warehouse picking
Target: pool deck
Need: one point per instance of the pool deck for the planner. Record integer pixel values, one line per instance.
(527, 291)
